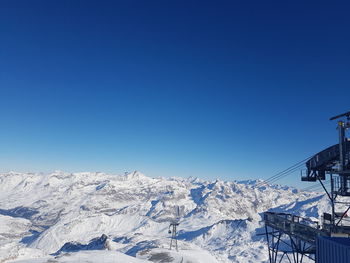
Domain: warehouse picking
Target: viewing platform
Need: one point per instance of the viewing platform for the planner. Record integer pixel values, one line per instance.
(303, 228)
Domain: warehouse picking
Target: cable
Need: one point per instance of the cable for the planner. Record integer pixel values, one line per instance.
(316, 187)
(278, 176)
(283, 173)
(288, 170)
(287, 173)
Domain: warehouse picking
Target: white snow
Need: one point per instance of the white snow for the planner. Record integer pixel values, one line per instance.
(39, 213)
(86, 257)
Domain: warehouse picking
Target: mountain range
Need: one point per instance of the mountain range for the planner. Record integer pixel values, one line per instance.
(98, 217)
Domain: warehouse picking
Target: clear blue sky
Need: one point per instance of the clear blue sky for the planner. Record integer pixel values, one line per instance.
(219, 89)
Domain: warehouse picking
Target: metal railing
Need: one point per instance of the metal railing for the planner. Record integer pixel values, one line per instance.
(303, 228)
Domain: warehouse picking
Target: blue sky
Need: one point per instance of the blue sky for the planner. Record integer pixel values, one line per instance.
(217, 89)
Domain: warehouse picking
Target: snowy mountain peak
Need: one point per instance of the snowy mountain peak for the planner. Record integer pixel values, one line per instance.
(136, 175)
(134, 212)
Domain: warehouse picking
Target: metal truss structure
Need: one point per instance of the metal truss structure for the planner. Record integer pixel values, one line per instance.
(293, 238)
(290, 237)
(173, 229)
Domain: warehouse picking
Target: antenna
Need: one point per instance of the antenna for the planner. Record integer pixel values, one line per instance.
(346, 114)
(173, 228)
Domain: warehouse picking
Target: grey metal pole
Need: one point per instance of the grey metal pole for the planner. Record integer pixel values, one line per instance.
(341, 145)
(342, 156)
(332, 200)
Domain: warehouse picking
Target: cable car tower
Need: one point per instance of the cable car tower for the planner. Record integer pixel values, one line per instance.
(335, 162)
(174, 223)
(293, 237)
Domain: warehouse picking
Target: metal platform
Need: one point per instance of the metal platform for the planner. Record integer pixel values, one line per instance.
(295, 237)
(303, 228)
(324, 162)
(298, 236)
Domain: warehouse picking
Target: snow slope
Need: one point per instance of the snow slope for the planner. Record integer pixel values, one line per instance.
(40, 213)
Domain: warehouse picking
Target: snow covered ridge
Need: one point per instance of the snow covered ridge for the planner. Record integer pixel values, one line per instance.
(44, 214)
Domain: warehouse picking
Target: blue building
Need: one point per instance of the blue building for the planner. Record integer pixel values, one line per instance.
(332, 250)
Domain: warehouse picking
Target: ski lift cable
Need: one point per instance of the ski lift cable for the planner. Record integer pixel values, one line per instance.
(287, 173)
(283, 173)
(316, 187)
(288, 169)
(276, 177)
(280, 176)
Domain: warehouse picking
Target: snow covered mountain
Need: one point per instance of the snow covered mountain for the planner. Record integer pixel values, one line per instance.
(125, 218)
